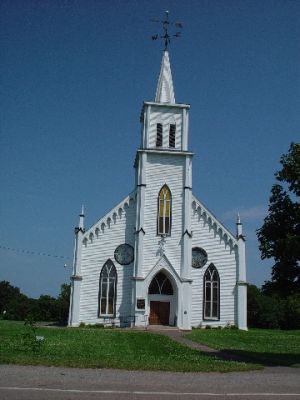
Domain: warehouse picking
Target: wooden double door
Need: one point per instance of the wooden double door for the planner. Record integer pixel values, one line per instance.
(159, 313)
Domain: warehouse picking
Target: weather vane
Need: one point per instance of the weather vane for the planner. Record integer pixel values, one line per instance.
(166, 25)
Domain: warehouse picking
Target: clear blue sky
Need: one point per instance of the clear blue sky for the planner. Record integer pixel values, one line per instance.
(74, 74)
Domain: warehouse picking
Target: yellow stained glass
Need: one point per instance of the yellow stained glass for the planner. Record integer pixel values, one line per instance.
(167, 208)
(161, 208)
(164, 210)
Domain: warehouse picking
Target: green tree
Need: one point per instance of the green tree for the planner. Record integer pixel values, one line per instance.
(47, 309)
(7, 293)
(10, 300)
(279, 236)
(15, 305)
(263, 311)
(63, 302)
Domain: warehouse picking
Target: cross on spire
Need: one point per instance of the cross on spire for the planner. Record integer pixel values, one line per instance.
(166, 26)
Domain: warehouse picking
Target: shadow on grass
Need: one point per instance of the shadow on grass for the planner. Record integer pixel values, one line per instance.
(265, 359)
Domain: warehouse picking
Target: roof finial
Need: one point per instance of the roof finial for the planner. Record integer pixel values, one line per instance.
(166, 36)
(81, 219)
(82, 211)
(239, 228)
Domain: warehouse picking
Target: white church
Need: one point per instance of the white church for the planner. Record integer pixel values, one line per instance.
(160, 257)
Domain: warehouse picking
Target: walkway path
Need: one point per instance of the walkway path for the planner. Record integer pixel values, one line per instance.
(179, 336)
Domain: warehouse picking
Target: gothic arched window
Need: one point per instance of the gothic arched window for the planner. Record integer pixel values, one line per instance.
(164, 211)
(160, 284)
(107, 289)
(211, 303)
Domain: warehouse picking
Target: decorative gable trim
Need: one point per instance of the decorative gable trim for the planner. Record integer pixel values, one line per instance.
(105, 222)
(220, 229)
(163, 264)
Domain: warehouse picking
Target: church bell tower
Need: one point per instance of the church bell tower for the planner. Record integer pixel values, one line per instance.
(164, 191)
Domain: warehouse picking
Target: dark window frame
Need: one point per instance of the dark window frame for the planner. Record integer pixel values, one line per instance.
(110, 277)
(211, 317)
(159, 232)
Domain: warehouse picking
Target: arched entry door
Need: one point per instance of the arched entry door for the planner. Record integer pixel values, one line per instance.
(160, 291)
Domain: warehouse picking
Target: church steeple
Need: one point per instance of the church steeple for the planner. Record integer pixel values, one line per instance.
(164, 122)
(165, 88)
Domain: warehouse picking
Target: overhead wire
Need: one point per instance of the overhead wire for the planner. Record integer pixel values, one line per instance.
(35, 253)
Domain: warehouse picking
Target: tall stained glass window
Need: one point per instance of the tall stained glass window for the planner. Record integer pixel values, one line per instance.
(164, 211)
(211, 293)
(107, 289)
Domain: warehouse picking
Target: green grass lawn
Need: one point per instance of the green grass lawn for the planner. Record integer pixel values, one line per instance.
(106, 348)
(264, 346)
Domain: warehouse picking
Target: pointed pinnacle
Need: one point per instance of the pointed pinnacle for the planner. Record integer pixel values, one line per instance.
(82, 211)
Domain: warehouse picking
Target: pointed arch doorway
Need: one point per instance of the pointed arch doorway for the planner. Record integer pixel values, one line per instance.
(161, 296)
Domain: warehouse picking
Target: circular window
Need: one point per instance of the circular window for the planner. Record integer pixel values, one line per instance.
(124, 254)
(199, 257)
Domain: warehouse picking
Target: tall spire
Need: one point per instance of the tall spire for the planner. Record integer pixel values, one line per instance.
(165, 89)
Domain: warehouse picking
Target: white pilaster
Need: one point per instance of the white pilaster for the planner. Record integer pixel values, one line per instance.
(186, 291)
(185, 128)
(139, 226)
(138, 291)
(187, 234)
(185, 305)
(146, 126)
(241, 279)
(76, 277)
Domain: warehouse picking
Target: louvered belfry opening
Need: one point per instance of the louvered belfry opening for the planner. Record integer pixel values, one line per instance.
(172, 135)
(159, 136)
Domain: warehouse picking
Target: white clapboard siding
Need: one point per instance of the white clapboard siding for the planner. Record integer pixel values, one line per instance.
(165, 116)
(163, 169)
(221, 249)
(99, 244)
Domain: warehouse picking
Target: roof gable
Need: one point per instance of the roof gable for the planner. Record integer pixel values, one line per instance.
(106, 220)
(222, 231)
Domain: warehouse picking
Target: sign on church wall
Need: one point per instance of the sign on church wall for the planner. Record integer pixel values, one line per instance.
(140, 304)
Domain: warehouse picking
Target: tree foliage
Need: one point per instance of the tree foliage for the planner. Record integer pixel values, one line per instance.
(17, 306)
(272, 312)
(279, 236)
(7, 292)
(290, 171)
(63, 302)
